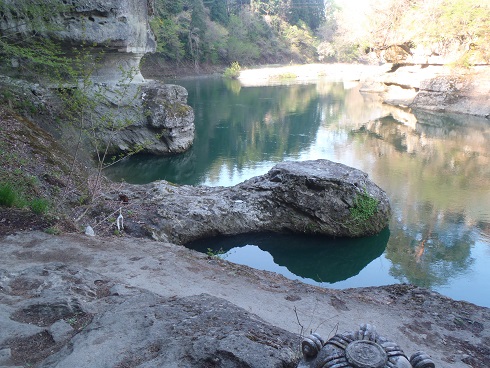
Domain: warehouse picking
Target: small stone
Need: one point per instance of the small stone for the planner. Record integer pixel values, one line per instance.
(60, 331)
(89, 231)
(5, 355)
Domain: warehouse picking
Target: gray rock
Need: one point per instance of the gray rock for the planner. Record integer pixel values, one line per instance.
(152, 118)
(434, 87)
(149, 331)
(5, 355)
(60, 331)
(131, 115)
(312, 197)
(119, 28)
(465, 93)
(137, 328)
(89, 231)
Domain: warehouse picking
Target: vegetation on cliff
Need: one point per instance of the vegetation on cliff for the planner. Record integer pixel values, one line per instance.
(283, 31)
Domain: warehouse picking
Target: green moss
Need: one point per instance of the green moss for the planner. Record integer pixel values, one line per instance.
(364, 208)
(177, 109)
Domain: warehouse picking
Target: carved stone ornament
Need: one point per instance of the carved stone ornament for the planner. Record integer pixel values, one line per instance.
(360, 349)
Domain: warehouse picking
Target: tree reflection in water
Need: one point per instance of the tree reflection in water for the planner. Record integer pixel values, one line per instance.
(434, 167)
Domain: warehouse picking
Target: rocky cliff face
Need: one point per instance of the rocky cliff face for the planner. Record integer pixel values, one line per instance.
(434, 87)
(115, 34)
(120, 27)
(424, 79)
(116, 31)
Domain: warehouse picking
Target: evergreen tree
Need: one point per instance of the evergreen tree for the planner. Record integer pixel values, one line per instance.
(219, 12)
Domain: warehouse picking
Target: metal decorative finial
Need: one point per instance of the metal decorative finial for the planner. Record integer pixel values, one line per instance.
(363, 348)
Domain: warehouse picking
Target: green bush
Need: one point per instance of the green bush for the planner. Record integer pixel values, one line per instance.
(8, 196)
(233, 71)
(39, 206)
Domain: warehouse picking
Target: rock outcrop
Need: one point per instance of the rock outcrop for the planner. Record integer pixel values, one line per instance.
(131, 114)
(434, 87)
(154, 118)
(116, 32)
(126, 302)
(63, 316)
(429, 78)
(311, 197)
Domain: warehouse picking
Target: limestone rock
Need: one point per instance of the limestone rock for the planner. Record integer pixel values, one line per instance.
(465, 92)
(312, 197)
(166, 109)
(433, 87)
(118, 32)
(136, 328)
(130, 114)
(155, 119)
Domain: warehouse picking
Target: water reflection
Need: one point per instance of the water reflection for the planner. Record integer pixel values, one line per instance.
(434, 167)
(237, 130)
(320, 259)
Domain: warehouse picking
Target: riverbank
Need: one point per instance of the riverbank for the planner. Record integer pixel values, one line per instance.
(100, 275)
(454, 333)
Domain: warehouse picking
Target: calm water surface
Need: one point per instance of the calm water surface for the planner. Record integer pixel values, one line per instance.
(435, 169)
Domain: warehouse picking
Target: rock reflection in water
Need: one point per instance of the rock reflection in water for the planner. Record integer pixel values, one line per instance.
(434, 167)
(321, 259)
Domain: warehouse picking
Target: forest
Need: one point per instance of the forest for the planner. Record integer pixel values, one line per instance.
(259, 32)
(302, 31)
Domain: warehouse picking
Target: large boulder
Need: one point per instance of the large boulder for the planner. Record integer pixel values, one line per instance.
(153, 117)
(311, 197)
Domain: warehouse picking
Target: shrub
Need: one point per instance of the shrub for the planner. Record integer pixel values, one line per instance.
(39, 206)
(233, 71)
(8, 196)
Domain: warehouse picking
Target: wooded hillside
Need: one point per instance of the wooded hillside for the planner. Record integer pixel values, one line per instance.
(284, 31)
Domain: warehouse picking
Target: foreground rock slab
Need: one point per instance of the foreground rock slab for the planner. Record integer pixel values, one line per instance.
(311, 197)
(60, 316)
(64, 296)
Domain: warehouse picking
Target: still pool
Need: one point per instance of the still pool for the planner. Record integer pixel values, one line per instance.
(435, 169)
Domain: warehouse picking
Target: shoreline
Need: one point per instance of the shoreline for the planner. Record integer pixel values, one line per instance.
(451, 332)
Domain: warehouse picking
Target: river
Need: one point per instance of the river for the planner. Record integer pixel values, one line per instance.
(435, 169)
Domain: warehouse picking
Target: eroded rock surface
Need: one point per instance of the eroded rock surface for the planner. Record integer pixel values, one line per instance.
(434, 87)
(101, 289)
(155, 117)
(110, 37)
(312, 197)
(63, 316)
(117, 31)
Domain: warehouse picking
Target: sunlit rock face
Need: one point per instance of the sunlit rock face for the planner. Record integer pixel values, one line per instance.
(119, 28)
(434, 87)
(116, 32)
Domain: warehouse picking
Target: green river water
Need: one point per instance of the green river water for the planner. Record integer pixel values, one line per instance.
(435, 169)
